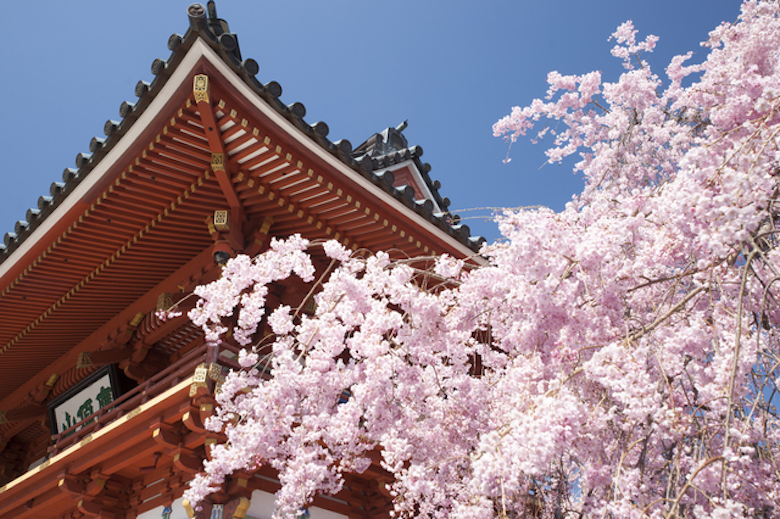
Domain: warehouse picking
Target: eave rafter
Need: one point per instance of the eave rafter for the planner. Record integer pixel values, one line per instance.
(128, 183)
(299, 191)
(152, 223)
(157, 203)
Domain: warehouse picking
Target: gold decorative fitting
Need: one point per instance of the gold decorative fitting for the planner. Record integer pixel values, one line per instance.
(242, 508)
(200, 88)
(199, 378)
(164, 301)
(222, 220)
(218, 162)
(201, 374)
(52, 380)
(3, 419)
(84, 360)
(267, 222)
(311, 307)
(132, 414)
(188, 508)
(216, 373)
(137, 318)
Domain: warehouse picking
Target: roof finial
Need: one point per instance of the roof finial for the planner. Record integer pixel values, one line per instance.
(218, 27)
(197, 14)
(401, 127)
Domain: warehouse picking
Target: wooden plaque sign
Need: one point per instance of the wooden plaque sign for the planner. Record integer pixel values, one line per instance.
(88, 396)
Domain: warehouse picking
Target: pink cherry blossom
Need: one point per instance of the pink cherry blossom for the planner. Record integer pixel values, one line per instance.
(616, 359)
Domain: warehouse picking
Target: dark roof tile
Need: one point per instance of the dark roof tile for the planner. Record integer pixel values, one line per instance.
(44, 201)
(110, 127)
(32, 214)
(56, 188)
(69, 174)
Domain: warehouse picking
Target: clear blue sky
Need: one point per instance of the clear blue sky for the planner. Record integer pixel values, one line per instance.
(451, 67)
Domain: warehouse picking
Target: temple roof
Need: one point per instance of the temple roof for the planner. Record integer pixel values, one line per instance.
(133, 219)
(134, 228)
(370, 160)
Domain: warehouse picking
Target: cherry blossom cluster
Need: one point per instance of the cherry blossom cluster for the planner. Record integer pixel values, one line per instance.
(617, 359)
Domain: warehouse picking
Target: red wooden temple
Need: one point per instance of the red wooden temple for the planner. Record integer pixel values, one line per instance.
(102, 404)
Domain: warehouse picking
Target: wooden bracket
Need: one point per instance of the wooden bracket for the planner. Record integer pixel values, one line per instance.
(140, 366)
(139, 352)
(187, 461)
(43, 390)
(114, 354)
(70, 484)
(239, 485)
(206, 409)
(102, 357)
(192, 421)
(260, 238)
(139, 372)
(96, 484)
(92, 509)
(23, 413)
(209, 443)
(236, 508)
(167, 436)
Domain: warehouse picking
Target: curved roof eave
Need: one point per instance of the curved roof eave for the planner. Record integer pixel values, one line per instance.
(187, 51)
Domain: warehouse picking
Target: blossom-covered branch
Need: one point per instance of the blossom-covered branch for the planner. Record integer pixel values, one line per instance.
(617, 359)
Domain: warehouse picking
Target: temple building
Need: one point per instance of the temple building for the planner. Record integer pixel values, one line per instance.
(102, 404)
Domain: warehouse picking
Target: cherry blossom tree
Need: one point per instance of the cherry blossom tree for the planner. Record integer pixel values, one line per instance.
(617, 359)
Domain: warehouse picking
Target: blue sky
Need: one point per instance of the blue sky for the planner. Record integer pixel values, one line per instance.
(452, 68)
